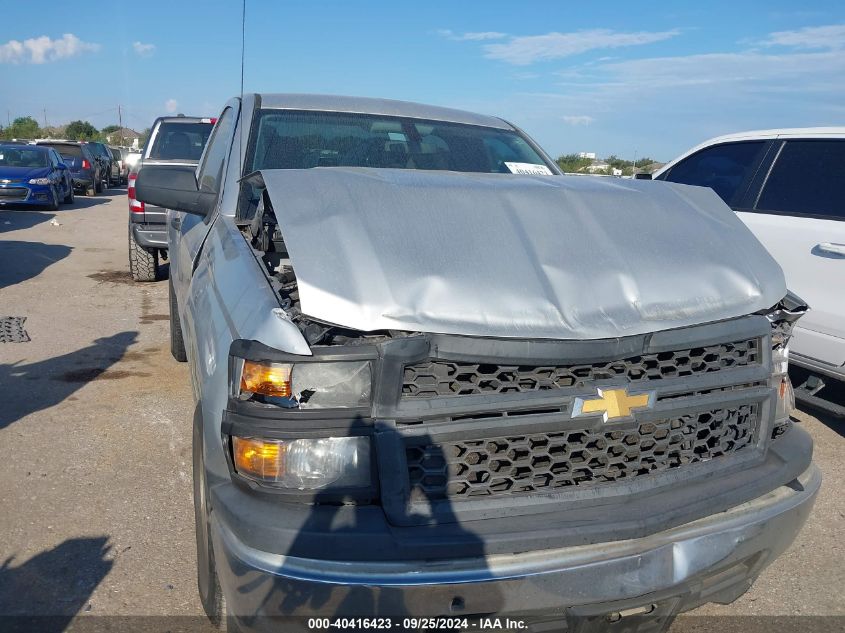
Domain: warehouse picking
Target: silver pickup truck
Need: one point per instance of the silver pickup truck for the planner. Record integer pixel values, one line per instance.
(436, 378)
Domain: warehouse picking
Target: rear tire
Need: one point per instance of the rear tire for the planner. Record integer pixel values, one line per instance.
(177, 341)
(143, 261)
(98, 185)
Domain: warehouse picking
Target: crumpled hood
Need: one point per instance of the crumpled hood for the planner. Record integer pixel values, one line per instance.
(516, 256)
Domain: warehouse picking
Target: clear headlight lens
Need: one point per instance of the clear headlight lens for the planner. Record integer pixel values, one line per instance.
(39, 181)
(304, 464)
(313, 385)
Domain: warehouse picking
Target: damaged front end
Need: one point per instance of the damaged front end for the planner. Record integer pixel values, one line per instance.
(470, 426)
(783, 317)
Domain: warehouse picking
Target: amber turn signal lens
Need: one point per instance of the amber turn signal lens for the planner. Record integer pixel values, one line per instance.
(259, 459)
(267, 380)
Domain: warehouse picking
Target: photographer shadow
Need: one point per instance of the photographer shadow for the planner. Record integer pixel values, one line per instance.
(382, 592)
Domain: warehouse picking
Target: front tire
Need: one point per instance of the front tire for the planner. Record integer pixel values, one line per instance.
(69, 197)
(54, 200)
(143, 261)
(208, 583)
(177, 341)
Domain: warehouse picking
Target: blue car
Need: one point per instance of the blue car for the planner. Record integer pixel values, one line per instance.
(79, 158)
(33, 176)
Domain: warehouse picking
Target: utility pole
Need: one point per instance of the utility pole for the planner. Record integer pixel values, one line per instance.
(45, 117)
(120, 120)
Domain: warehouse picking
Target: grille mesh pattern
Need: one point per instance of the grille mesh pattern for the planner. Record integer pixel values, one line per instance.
(433, 378)
(545, 461)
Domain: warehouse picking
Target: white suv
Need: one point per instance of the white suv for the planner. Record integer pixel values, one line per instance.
(788, 186)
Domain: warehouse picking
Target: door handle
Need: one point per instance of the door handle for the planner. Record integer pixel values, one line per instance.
(176, 223)
(830, 248)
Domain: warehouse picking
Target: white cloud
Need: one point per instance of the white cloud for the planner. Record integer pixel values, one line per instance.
(528, 49)
(831, 36)
(171, 105)
(40, 50)
(749, 70)
(144, 50)
(578, 119)
(471, 37)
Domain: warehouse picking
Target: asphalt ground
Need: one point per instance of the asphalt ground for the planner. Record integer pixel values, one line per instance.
(96, 514)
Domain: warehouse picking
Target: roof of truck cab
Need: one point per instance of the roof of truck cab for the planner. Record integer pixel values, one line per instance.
(389, 107)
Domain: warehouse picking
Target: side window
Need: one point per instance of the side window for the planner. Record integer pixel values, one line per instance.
(807, 179)
(727, 169)
(211, 171)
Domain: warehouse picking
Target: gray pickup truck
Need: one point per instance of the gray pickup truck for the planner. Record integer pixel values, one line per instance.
(176, 140)
(435, 378)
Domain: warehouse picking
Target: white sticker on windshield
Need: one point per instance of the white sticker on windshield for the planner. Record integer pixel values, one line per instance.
(529, 169)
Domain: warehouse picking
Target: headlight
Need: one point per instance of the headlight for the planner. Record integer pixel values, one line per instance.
(311, 385)
(338, 462)
(39, 181)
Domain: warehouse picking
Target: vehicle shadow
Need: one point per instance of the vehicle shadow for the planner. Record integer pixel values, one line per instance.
(333, 531)
(20, 261)
(833, 391)
(57, 377)
(84, 202)
(11, 220)
(48, 590)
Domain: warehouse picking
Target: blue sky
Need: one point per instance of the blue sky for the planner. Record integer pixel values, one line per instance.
(626, 78)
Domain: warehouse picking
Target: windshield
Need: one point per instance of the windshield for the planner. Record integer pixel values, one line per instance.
(17, 157)
(65, 150)
(180, 141)
(290, 139)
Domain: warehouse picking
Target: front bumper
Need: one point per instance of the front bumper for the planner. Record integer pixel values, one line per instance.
(25, 194)
(713, 559)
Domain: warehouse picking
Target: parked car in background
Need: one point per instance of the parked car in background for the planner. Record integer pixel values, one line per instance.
(787, 186)
(83, 166)
(132, 158)
(434, 377)
(33, 175)
(116, 165)
(177, 140)
(124, 164)
(105, 159)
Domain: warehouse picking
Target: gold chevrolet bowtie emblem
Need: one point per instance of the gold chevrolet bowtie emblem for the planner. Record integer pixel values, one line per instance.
(613, 404)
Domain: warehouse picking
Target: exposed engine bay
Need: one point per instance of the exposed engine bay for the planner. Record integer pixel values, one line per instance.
(268, 244)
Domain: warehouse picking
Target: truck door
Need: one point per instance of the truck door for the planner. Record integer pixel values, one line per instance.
(186, 232)
(799, 216)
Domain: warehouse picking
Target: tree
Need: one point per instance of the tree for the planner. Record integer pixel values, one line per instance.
(572, 162)
(81, 131)
(22, 127)
(144, 136)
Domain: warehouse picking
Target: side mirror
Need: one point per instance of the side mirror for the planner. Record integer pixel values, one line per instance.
(61, 166)
(173, 188)
(642, 176)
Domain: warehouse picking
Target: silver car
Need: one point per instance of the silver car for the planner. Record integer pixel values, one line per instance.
(437, 379)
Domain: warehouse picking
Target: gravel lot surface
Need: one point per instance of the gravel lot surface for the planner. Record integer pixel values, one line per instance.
(95, 476)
